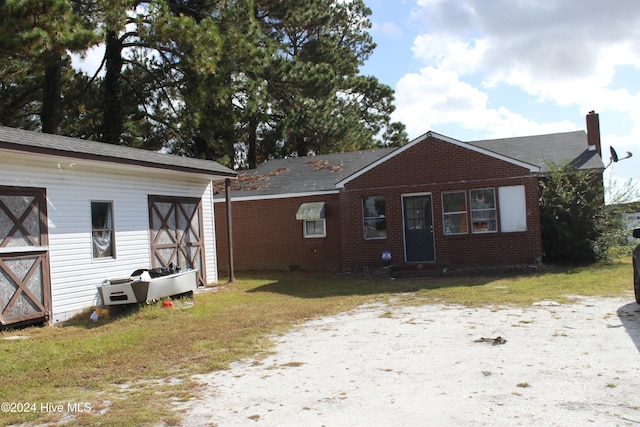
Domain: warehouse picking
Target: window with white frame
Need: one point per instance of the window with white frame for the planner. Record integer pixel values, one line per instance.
(313, 222)
(315, 228)
(483, 211)
(454, 212)
(374, 217)
(102, 230)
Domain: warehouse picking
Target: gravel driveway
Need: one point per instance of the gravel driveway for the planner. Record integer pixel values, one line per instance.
(438, 365)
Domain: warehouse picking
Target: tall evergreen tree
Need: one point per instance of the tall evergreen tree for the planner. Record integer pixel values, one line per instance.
(316, 100)
(149, 44)
(287, 84)
(44, 31)
(220, 107)
(238, 81)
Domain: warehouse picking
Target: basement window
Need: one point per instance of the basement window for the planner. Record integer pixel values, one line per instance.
(102, 231)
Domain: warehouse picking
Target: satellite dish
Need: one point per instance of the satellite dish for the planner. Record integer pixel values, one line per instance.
(614, 155)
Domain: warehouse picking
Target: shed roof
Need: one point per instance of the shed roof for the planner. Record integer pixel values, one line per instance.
(56, 145)
(326, 173)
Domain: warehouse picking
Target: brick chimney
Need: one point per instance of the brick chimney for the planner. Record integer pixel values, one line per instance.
(593, 132)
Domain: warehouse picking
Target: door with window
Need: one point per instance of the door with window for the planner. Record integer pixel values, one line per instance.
(418, 228)
(25, 286)
(176, 233)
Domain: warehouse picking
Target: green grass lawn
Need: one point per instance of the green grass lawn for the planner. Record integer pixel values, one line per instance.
(126, 369)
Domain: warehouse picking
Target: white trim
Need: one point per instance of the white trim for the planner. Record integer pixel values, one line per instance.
(278, 196)
(67, 164)
(532, 168)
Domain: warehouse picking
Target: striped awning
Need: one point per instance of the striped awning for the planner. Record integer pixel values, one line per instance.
(310, 211)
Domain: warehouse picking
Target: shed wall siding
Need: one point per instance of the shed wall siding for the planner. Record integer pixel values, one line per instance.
(70, 189)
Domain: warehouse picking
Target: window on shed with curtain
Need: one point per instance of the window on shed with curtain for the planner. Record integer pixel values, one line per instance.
(102, 230)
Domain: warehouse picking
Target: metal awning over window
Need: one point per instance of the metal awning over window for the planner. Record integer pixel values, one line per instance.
(310, 211)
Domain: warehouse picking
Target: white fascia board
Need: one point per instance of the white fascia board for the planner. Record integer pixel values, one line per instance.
(277, 196)
(532, 168)
(63, 163)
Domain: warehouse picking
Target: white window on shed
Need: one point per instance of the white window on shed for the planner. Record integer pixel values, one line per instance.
(513, 209)
(102, 230)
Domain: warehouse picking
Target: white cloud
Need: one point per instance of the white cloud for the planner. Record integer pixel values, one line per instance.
(438, 97)
(559, 50)
(387, 29)
(450, 52)
(562, 53)
(90, 61)
(433, 97)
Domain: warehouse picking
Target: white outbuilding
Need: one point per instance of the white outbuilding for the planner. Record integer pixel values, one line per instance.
(75, 212)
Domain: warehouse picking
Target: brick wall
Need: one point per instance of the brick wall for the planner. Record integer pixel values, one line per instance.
(432, 167)
(267, 236)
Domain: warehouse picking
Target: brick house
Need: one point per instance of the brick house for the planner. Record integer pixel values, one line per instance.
(435, 203)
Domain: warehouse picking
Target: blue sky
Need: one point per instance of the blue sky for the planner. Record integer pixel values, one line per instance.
(481, 69)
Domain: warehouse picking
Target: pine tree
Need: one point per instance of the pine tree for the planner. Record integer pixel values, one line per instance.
(44, 31)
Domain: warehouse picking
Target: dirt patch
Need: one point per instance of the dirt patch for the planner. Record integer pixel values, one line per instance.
(559, 365)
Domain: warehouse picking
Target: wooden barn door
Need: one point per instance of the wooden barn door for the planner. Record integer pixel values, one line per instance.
(176, 233)
(25, 287)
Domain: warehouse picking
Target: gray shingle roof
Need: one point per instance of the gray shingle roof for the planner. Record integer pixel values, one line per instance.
(309, 174)
(321, 173)
(555, 148)
(36, 142)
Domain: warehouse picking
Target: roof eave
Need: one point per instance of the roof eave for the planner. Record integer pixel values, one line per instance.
(532, 168)
(32, 149)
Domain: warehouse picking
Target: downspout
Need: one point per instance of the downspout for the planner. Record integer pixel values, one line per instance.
(227, 194)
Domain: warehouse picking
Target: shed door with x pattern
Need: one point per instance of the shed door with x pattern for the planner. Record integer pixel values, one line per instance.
(176, 233)
(25, 287)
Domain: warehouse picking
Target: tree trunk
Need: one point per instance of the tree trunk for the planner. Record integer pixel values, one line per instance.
(112, 91)
(51, 114)
(252, 157)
